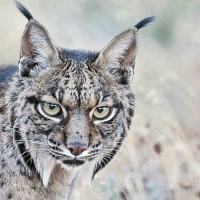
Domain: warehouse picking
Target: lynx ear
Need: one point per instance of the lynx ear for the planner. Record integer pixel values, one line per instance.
(37, 50)
(118, 57)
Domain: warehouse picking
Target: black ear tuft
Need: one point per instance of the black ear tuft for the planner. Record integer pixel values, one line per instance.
(24, 10)
(144, 22)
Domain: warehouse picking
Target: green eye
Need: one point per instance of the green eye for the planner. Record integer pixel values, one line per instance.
(51, 109)
(102, 112)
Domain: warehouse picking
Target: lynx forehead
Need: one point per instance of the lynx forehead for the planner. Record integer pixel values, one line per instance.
(65, 110)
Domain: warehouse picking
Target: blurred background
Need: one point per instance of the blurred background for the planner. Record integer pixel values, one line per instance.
(160, 159)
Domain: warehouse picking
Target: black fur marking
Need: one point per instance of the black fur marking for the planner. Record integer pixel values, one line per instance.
(101, 133)
(104, 161)
(9, 196)
(144, 22)
(77, 55)
(128, 120)
(53, 141)
(131, 112)
(1, 184)
(107, 158)
(32, 99)
(25, 155)
(118, 105)
(24, 10)
(2, 109)
(3, 164)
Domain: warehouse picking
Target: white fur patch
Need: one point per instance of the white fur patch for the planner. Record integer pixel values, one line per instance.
(47, 169)
(88, 170)
(67, 152)
(84, 153)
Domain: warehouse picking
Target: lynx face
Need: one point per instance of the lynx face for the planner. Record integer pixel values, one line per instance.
(72, 113)
(71, 107)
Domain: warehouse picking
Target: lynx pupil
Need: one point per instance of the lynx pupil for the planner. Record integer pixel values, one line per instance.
(100, 110)
(52, 106)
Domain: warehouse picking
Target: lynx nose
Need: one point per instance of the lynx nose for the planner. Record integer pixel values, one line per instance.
(76, 149)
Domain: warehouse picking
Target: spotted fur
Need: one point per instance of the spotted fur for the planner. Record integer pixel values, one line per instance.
(35, 159)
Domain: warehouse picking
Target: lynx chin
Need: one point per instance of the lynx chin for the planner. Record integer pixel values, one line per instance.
(64, 110)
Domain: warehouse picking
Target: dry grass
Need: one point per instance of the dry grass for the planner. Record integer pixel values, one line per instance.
(160, 159)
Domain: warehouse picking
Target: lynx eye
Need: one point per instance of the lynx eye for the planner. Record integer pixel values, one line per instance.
(102, 112)
(51, 109)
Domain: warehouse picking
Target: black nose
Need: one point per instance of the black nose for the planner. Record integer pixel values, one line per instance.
(76, 149)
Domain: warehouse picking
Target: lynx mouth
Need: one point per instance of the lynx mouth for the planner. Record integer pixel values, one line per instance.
(73, 162)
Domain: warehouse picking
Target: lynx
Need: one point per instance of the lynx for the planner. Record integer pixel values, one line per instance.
(63, 111)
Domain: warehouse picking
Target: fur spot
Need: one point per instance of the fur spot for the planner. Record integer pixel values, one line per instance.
(32, 99)
(128, 122)
(9, 196)
(2, 184)
(131, 112)
(2, 109)
(157, 148)
(3, 164)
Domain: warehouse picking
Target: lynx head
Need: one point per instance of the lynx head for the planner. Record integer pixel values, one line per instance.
(71, 107)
